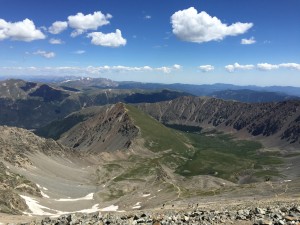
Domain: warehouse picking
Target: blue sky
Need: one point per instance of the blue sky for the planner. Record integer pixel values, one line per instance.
(171, 41)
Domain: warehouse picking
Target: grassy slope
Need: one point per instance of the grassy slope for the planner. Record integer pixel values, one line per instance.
(215, 154)
(167, 143)
(224, 157)
(157, 136)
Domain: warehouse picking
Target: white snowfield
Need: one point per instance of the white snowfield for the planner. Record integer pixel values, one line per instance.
(39, 210)
(87, 197)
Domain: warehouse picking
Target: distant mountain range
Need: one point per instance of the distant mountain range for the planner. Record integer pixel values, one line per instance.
(31, 105)
(248, 93)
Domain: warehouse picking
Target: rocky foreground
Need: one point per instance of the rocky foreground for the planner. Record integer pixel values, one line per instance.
(280, 214)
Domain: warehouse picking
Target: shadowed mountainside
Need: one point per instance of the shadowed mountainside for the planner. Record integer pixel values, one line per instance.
(277, 122)
(31, 105)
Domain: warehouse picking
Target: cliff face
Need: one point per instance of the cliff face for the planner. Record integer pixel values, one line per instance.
(268, 120)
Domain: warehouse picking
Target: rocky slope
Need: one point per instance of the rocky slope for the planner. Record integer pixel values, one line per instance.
(108, 128)
(276, 123)
(272, 214)
(16, 145)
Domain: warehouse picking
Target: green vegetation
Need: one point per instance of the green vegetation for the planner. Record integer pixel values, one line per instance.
(192, 153)
(158, 137)
(220, 155)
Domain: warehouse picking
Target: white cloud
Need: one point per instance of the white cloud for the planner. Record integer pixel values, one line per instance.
(107, 40)
(249, 41)
(177, 67)
(20, 31)
(45, 54)
(293, 66)
(147, 17)
(206, 68)
(189, 25)
(164, 69)
(79, 52)
(55, 41)
(58, 27)
(266, 66)
(263, 66)
(236, 66)
(81, 23)
(79, 71)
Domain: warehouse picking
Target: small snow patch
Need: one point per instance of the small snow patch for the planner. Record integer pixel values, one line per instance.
(111, 208)
(159, 190)
(88, 197)
(91, 210)
(44, 195)
(146, 195)
(137, 205)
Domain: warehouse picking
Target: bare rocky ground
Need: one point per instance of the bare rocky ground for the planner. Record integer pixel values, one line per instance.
(267, 211)
(70, 185)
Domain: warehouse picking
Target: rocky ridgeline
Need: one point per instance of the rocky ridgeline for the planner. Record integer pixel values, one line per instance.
(278, 215)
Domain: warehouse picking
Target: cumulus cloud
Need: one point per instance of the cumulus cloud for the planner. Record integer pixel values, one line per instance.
(81, 23)
(45, 54)
(249, 41)
(206, 68)
(55, 41)
(189, 25)
(177, 67)
(266, 66)
(58, 27)
(147, 17)
(79, 52)
(20, 31)
(107, 40)
(236, 66)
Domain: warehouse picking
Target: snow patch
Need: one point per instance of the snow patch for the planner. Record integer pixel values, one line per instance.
(159, 190)
(38, 210)
(35, 207)
(145, 195)
(87, 197)
(91, 210)
(44, 195)
(137, 205)
(111, 208)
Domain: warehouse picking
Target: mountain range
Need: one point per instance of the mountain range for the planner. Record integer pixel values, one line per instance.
(100, 145)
